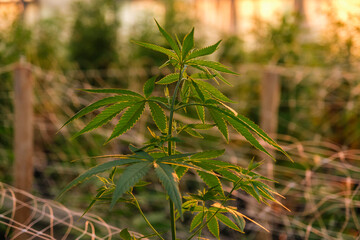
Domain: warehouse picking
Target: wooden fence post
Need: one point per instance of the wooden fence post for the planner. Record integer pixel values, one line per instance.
(269, 110)
(23, 140)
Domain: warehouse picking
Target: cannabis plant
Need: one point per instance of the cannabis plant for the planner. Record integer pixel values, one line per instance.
(192, 90)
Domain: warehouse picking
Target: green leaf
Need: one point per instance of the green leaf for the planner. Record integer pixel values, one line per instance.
(149, 87)
(95, 170)
(213, 91)
(188, 43)
(201, 113)
(225, 220)
(97, 197)
(251, 126)
(211, 181)
(220, 123)
(113, 90)
(207, 154)
(156, 48)
(175, 157)
(169, 39)
(170, 181)
(129, 178)
(248, 136)
(197, 220)
(202, 75)
(201, 126)
(204, 51)
(250, 190)
(196, 90)
(218, 75)
(125, 235)
(96, 105)
(228, 175)
(104, 117)
(173, 77)
(158, 116)
(213, 225)
(128, 120)
(193, 133)
(240, 221)
(213, 65)
(180, 171)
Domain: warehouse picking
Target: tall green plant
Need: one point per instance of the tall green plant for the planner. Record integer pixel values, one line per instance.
(190, 81)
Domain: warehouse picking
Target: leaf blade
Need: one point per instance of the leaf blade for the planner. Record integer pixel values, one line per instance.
(129, 178)
(158, 115)
(149, 87)
(220, 123)
(213, 65)
(168, 178)
(169, 39)
(168, 79)
(95, 170)
(204, 51)
(188, 43)
(127, 120)
(113, 90)
(156, 48)
(92, 107)
(104, 117)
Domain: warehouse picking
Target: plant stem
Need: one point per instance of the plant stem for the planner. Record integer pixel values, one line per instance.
(171, 119)
(143, 215)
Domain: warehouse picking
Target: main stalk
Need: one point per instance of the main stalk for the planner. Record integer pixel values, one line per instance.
(171, 119)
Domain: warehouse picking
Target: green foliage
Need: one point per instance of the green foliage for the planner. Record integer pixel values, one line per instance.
(192, 89)
(95, 27)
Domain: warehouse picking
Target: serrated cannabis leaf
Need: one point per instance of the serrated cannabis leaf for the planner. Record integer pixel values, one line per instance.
(249, 137)
(156, 48)
(193, 133)
(198, 218)
(212, 224)
(202, 75)
(207, 154)
(219, 76)
(204, 51)
(220, 123)
(211, 64)
(104, 117)
(213, 91)
(240, 221)
(128, 120)
(201, 113)
(169, 179)
(173, 157)
(96, 105)
(180, 171)
(158, 115)
(211, 181)
(169, 39)
(225, 220)
(188, 43)
(149, 87)
(95, 170)
(113, 90)
(129, 178)
(173, 77)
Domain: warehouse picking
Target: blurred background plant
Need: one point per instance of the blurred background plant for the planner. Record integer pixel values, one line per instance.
(314, 52)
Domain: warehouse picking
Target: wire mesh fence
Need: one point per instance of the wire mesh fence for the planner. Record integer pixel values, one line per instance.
(321, 187)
